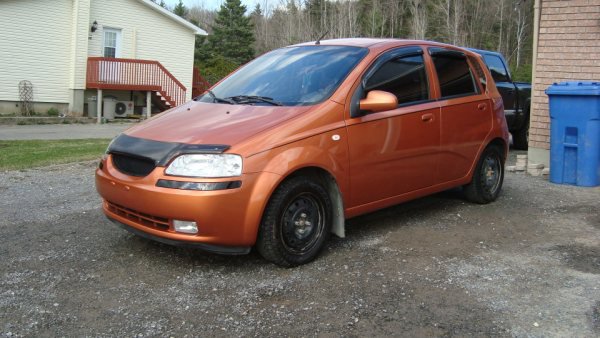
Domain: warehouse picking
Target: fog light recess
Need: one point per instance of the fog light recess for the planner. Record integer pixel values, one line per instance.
(186, 227)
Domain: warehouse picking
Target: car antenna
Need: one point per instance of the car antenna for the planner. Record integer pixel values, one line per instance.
(318, 42)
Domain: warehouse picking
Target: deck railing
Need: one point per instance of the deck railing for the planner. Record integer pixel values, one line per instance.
(133, 74)
(199, 83)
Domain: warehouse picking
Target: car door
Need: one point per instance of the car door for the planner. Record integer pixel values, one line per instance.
(466, 113)
(394, 152)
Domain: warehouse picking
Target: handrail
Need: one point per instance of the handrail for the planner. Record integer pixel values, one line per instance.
(199, 83)
(134, 74)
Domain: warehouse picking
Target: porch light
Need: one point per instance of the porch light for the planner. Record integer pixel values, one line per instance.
(94, 26)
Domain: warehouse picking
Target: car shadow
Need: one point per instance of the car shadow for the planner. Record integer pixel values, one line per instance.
(357, 228)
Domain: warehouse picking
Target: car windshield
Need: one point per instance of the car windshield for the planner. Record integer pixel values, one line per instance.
(292, 76)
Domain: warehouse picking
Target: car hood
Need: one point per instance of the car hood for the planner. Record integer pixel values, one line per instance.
(210, 123)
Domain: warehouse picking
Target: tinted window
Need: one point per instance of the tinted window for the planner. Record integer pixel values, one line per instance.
(454, 75)
(479, 72)
(404, 77)
(496, 67)
(293, 76)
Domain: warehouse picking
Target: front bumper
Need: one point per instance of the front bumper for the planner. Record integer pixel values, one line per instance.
(227, 219)
(223, 250)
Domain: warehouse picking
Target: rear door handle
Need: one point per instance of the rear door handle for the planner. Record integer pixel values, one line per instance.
(426, 117)
(481, 106)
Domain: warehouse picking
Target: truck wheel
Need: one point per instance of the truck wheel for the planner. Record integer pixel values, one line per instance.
(487, 178)
(521, 137)
(296, 223)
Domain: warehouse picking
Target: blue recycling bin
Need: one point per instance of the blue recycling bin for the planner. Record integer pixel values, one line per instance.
(575, 133)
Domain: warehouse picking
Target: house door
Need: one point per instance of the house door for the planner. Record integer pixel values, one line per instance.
(111, 48)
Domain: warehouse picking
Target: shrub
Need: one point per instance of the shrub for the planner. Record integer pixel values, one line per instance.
(52, 112)
(522, 74)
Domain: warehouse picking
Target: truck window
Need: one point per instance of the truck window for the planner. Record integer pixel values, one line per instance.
(496, 67)
(404, 77)
(454, 75)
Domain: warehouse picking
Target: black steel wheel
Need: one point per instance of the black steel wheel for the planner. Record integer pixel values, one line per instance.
(488, 177)
(296, 223)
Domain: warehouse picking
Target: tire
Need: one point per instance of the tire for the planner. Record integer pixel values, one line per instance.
(296, 223)
(488, 177)
(521, 137)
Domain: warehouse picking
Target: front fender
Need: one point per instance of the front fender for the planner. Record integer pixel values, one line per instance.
(327, 151)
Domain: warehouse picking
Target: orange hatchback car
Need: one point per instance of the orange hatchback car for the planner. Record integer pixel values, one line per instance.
(278, 154)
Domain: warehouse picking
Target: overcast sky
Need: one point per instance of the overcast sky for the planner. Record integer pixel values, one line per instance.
(213, 4)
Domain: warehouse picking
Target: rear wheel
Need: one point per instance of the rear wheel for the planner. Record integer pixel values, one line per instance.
(296, 223)
(488, 177)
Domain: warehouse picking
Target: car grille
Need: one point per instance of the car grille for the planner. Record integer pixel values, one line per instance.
(150, 221)
(134, 166)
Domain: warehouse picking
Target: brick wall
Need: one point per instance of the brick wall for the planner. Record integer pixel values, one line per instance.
(568, 49)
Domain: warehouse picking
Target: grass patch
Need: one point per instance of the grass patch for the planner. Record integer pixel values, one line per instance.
(38, 153)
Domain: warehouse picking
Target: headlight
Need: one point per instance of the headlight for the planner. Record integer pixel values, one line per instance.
(206, 165)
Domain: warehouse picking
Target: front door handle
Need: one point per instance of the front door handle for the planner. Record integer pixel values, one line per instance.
(481, 106)
(426, 117)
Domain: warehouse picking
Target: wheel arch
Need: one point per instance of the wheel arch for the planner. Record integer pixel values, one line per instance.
(328, 181)
(500, 143)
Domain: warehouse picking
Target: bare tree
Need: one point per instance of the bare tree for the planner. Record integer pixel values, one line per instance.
(504, 25)
(418, 11)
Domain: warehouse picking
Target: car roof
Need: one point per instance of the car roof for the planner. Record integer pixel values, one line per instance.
(371, 42)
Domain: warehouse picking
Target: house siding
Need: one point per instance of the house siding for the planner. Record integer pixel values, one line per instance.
(35, 45)
(146, 35)
(79, 43)
(568, 49)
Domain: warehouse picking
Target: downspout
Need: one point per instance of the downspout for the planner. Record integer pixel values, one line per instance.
(536, 33)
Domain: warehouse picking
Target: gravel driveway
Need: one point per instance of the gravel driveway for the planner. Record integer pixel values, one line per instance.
(526, 265)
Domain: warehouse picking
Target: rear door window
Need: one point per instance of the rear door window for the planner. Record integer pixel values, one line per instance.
(454, 74)
(402, 76)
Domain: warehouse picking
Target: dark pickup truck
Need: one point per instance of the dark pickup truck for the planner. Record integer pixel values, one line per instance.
(516, 97)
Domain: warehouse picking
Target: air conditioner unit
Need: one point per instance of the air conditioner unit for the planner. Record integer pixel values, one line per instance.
(123, 108)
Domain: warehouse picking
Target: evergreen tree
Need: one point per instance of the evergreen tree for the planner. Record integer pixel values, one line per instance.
(180, 9)
(161, 3)
(233, 33)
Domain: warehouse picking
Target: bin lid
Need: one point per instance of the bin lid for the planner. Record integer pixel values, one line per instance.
(589, 88)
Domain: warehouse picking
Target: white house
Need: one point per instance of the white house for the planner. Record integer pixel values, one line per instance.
(78, 53)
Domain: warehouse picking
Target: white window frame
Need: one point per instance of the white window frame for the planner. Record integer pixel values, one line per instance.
(117, 41)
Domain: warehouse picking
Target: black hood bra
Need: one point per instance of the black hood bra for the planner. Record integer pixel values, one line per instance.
(161, 153)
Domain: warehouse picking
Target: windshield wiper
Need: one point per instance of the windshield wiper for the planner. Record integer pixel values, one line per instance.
(253, 99)
(218, 99)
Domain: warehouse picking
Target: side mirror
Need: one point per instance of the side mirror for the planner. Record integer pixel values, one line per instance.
(378, 100)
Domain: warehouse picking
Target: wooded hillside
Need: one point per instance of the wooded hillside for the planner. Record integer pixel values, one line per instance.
(501, 25)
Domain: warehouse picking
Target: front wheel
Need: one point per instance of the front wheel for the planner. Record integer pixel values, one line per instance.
(296, 223)
(487, 179)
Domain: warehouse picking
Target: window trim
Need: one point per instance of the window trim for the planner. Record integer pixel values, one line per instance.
(118, 40)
